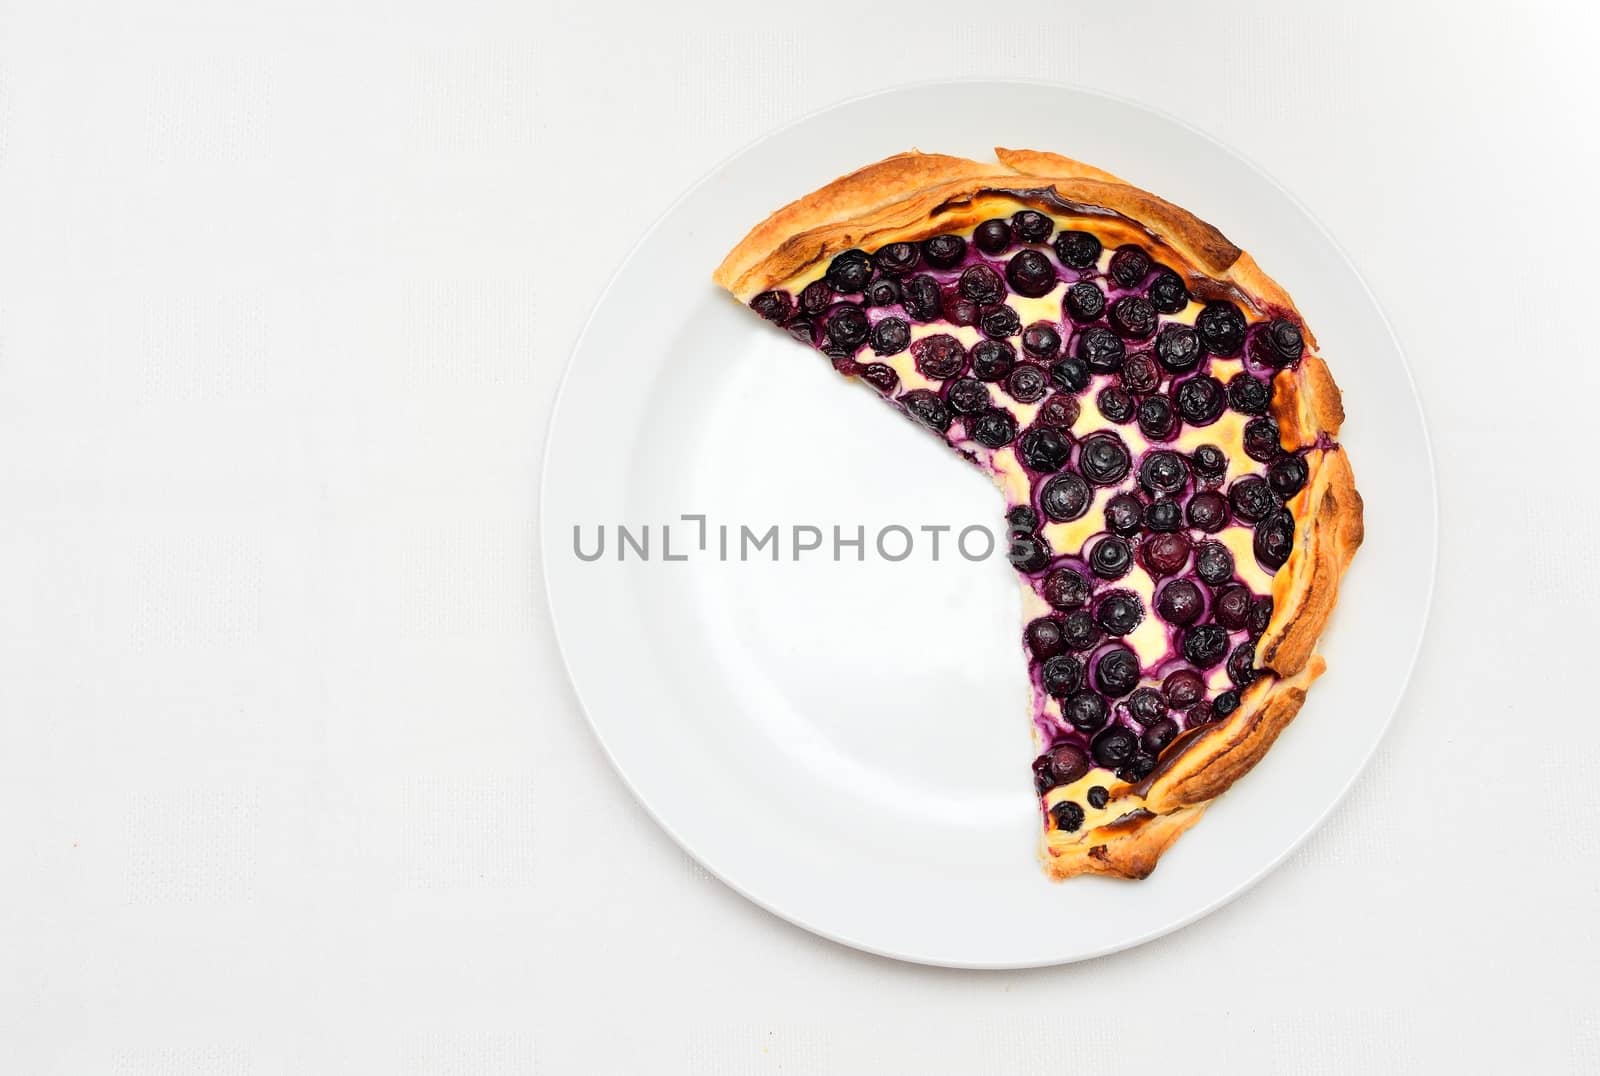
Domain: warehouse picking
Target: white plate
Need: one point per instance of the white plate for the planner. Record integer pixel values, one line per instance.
(847, 744)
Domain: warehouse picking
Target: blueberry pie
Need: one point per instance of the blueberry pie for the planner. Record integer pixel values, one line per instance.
(1153, 409)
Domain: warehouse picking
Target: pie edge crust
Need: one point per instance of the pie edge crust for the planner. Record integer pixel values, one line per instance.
(913, 195)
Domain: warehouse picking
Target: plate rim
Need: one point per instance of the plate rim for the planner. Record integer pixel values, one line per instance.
(1231, 894)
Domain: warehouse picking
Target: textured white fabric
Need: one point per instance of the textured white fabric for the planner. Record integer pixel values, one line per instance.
(291, 780)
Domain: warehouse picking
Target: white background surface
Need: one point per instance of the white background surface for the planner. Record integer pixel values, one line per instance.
(290, 779)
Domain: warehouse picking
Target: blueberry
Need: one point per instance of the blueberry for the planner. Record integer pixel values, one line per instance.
(1158, 419)
(1140, 374)
(1178, 348)
(1080, 631)
(1060, 766)
(800, 329)
(882, 292)
(939, 356)
(992, 236)
(1058, 412)
(1213, 563)
(1179, 602)
(958, 309)
(1116, 405)
(1032, 226)
(1098, 797)
(1287, 475)
(1208, 511)
(1242, 665)
(1061, 675)
(773, 305)
(1226, 703)
(1046, 451)
(1113, 746)
(1066, 589)
(1101, 348)
(1133, 316)
(1027, 384)
(1204, 646)
(1201, 714)
(1275, 539)
(1070, 375)
(1028, 554)
(896, 259)
(1168, 293)
(1023, 519)
(992, 359)
(999, 322)
(1201, 400)
(1065, 497)
(1251, 498)
(1041, 340)
(992, 428)
(1138, 766)
(1030, 273)
(1164, 554)
(1280, 343)
(981, 284)
(1221, 327)
(920, 296)
(1111, 558)
(1260, 616)
(1129, 265)
(1043, 638)
(891, 336)
(816, 297)
(1159, 735)
(1104, 459)
(1261, 439)
(1077, 250)
(944, 251)
(1231, 606)
(1068, 816)
(1209, 461)
(1183, 688)
(1146, 706)
(1163, 517)
(1248, 395)
(849, 271)
(1085, 711)
(881, 376)
(967, 396)
(1163, 471)
(1123, 514)
(1119, 612)
(1084, 301)
(927, 408)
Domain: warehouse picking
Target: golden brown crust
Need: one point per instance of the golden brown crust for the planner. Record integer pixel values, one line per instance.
(1306, 402)
(1128, 848)
(1034, 162)
(1203, 770)
(1328, 530)
(911, 196)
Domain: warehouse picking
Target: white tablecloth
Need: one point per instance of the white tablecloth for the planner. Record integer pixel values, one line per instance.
(291, 779)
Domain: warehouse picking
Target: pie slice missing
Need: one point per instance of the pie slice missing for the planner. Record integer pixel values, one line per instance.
(1152, 408)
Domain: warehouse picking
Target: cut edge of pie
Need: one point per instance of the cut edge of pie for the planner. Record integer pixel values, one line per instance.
(913, 196)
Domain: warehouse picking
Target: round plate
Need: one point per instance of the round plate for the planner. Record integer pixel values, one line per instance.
(847, 742)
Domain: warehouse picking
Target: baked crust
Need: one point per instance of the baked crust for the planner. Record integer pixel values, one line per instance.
(912, 196)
